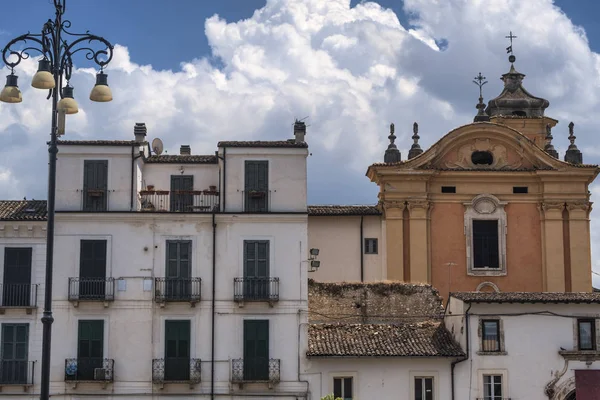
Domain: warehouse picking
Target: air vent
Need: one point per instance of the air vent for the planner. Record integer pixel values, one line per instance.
(520, 189)
(448, 189)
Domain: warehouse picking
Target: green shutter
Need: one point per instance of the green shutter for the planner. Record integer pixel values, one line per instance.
(92, 262)
(256, 349)
(179, 259)
(256, 259)
(177, 339)
(90, 339)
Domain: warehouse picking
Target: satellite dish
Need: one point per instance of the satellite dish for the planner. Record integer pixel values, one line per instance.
(157, 146)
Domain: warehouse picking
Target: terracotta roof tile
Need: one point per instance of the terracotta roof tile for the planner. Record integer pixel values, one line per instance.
(331, 210)
(528, 297)
(98, 142)
(23, 210)
(263, 143)
(182, 159)
(425, 339)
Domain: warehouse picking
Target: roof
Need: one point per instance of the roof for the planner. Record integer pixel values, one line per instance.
(23, 210)
(182, 159)
(331, 210)
(425, 339)
(264, 143)
(527, 297)
(98, 142)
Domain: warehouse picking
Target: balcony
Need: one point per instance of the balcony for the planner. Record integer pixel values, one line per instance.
(17, 373)
(18, 295)
(189, 201)
(176, 370)
(257, 369)
(256, 201)
(91, 289)
(94, 200)
(256, 289)
(168, 290)
(89, 369)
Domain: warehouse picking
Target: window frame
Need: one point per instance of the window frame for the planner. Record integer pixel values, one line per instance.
(592, 322)
(484, 332)
(485, 207)
(343, 378)
(481, 373)
(500, 331)
(373, 248)
(493, 384)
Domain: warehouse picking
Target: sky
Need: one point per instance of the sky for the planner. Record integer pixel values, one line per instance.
(197, 72)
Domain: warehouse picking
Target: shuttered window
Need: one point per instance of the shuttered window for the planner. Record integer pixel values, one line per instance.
(95, 185)
(182, 198)
(256, 186)
(16, 288)
(256, 350)
(90, 348)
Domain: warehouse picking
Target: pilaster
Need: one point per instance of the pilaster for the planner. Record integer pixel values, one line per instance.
(552, 246)
(419, 240)
(394, 219)
(580, 252)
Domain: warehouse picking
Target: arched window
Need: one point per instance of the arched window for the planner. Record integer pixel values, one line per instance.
(519, 113)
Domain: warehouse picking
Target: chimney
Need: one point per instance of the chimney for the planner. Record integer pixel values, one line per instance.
(185, 150)
(299, 131)
(139, 131)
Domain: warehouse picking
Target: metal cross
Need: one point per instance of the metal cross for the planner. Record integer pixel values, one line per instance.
(511, 37)
(480, 80)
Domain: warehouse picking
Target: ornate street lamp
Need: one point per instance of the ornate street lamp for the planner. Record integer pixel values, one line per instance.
(56, 63)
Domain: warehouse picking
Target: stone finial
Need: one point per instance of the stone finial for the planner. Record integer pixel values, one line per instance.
(392, 154)
(573, 155)
(549, 148)
(415, 149)
(481, 115)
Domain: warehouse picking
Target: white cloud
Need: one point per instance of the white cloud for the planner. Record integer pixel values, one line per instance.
(351, 70)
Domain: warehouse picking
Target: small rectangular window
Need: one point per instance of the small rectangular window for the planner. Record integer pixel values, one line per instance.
(448, 189)
(586, 334)
(485, 244)
(490, 335)
(520, 189)
(371, 246)
(492, 387)
(424, 388)
(342, 388)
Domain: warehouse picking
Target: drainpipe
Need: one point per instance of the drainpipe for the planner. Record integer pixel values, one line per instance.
(224, 179)
(453, 364)
(362, 251)
(214, 283)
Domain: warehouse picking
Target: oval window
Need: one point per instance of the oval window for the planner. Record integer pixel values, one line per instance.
(482, 158)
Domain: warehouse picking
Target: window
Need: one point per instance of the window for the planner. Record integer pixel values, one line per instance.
(482, 158)
(178, 269)
(342, 387)
(13, 363)
(177, 350)
(490, 335)
(586, 334)
(424, 388)
(371, 246)
(92, 270)
(95, 193)
(485, 244)
(256, 186)
(448, 189)
(16, 288)
(520, 189)
(182, 197)
(256, 350)
(90, 348)
(492, 387)
(256, 270)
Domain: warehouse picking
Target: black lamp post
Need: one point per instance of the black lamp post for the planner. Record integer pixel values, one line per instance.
(56, 63)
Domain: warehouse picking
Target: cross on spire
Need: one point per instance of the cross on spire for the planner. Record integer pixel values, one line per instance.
(511, 37)
(480, 80)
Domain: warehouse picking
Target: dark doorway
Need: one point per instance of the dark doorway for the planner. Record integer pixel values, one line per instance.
(16, 289)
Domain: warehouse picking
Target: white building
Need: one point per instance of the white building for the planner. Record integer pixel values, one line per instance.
(175, 274)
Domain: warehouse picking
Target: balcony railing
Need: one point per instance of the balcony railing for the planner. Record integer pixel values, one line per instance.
(177, 289)
(256, 289)
(200, 201)
(94, 199)
(257, 369)
(17, 372)
(256, 201)
(176, 370)
(18, 295)
(490, 345)
(89, 369)
(91, 289)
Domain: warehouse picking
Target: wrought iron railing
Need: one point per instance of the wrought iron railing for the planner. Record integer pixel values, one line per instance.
(255, 200)
(92, 289)
(256, 289)
(94, 199)
(177, 289)
(89, 369)
(15, 372)
(257, 369)
(180, 200)
(18, 295)
(176, 369)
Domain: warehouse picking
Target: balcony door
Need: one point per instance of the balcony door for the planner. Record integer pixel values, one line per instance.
(256, 350)
(177, 350)
(178, 285)
(90, 348)
(15, 343)
(256, 270)
(16, 290)
(256, 186)
(95, 185)
(182, 198)
(92, 270)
